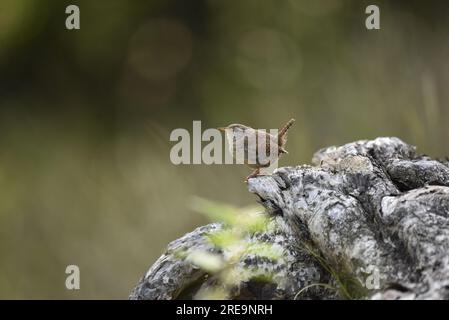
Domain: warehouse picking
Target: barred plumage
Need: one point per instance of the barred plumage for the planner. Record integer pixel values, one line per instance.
(282, 135)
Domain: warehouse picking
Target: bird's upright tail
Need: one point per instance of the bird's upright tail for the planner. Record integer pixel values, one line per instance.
(282, 135)
(285, 128)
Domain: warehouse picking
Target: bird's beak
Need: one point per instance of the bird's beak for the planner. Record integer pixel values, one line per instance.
(222, 129)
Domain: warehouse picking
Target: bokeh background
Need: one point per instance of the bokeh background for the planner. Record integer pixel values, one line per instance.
(85, 116)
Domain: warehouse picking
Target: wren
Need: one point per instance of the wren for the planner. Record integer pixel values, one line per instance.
(251, 143)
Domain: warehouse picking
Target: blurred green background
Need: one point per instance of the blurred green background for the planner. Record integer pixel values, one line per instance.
(85, 116)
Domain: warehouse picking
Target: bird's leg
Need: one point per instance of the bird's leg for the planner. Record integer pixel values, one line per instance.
(255, 173)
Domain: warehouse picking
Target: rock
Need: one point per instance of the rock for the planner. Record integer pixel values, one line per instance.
(370, 218)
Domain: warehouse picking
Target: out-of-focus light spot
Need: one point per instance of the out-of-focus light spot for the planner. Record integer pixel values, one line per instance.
(268, 59)
(160, 49)
(140, 93)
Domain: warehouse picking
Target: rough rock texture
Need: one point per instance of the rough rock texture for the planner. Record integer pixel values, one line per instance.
(375, 215)
(171, 277)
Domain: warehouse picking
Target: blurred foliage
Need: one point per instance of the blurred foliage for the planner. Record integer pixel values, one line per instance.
(85, 116)
(232, 245)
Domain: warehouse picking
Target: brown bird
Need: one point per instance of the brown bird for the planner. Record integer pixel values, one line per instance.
(248, 144)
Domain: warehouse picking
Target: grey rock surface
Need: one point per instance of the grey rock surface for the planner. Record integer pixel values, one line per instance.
(370, 218)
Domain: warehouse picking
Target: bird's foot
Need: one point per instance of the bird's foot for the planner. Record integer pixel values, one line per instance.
(254, 174)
